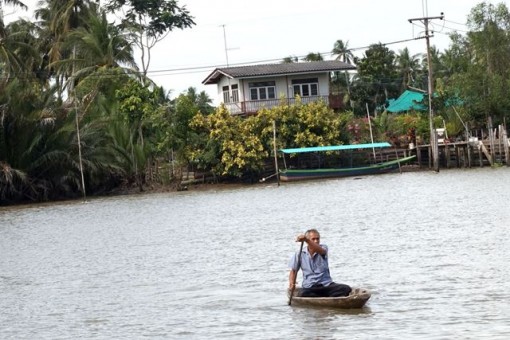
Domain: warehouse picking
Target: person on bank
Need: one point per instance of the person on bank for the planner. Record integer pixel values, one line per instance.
(317, 280)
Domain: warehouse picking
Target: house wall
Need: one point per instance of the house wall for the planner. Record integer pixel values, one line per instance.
(283, 85)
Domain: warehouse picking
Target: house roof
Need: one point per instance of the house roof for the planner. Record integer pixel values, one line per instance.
(257, 71)
(414, 100)
(409, 100)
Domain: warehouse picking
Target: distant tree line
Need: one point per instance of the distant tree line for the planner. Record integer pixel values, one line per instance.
(79, 115)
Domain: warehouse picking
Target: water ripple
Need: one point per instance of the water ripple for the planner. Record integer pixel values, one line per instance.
(432, 248)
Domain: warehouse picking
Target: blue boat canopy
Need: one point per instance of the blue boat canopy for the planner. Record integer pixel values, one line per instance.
(337, 147)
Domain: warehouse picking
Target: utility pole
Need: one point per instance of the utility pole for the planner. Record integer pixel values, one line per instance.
(433, 137)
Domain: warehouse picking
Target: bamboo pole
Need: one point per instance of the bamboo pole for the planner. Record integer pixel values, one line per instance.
(500, 143)
(370, 126)
(396, 155)
(275, 154)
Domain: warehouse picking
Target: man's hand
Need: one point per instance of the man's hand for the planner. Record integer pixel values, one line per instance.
(301, 238)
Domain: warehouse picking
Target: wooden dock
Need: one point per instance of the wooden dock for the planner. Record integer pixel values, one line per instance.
(455, 155)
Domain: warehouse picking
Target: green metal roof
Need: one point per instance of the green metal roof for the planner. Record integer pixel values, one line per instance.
(409, 100)
(337, 147)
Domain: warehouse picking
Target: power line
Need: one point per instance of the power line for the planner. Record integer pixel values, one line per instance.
(198, 69)
(455, 23)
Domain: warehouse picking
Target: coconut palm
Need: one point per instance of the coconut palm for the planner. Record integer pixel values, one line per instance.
(437, 66)
(408, 66)
(343, 53)
(97, 48)
(57, 19)
(15, 3)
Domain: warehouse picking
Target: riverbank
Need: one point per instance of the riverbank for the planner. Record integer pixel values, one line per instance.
(174, 187)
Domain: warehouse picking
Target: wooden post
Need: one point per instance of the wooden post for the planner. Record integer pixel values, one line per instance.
(457, 154)
(418, 155)
(370, 126)
(500, 143)
(430, 155)
(491, 140)
(468, 149)
(480, 153)
(275, 154)
(447, 154)
(506, 147)
(396, 155)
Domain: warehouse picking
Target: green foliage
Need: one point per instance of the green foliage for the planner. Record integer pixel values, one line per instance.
(377, 79)
(480, 65)
(153, 16)
(388, 127)
(313, 57)
(231, 145)
(232, 140)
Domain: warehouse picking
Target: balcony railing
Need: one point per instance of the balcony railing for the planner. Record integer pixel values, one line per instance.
(253, 106)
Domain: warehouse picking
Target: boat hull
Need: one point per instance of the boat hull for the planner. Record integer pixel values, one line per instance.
(356, 299)
(289, 175)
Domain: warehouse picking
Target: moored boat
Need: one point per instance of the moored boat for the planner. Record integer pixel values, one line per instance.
(356, 299)
(296, 174)
(288, 175)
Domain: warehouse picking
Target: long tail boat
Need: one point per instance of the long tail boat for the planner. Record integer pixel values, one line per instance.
(293, 174)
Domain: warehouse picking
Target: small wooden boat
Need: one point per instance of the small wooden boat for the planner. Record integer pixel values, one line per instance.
(356, 299)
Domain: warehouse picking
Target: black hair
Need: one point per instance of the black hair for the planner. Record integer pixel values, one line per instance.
(315, 231)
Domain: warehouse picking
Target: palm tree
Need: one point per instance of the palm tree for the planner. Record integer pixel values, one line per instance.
(15, 3)
(407, 65)
(97, 47)
(437, 66)
(57, 19)
(343, 53)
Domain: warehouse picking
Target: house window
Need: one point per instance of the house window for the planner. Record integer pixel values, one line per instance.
(231, 97)
(306, 87)
(226, 94)
(262, 90)
(235, 93)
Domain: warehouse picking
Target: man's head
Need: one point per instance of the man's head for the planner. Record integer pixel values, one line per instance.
(313, 235)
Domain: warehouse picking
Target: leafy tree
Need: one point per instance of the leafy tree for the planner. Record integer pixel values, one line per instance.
(150, 20)
(290, 59)
(179, 135)
(377, 78)
(456, 58)
(482, 64)
(313, 57)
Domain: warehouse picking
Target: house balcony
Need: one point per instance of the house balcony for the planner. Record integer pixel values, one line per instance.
(253, 106)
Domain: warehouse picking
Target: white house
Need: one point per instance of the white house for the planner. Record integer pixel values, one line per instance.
(246, 89)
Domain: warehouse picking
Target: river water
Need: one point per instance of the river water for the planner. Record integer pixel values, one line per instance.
(432, 247)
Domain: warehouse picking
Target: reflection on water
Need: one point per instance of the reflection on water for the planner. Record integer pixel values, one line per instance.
(432, 248)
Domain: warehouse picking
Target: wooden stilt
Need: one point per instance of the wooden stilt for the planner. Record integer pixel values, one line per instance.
(447, 155)
(430, 156)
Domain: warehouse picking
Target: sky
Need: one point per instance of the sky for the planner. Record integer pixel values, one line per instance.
(236, 32)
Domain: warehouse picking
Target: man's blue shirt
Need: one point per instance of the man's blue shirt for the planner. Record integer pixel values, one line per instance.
(315, 269)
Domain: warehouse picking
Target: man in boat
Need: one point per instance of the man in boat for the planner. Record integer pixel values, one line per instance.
(317, 280)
